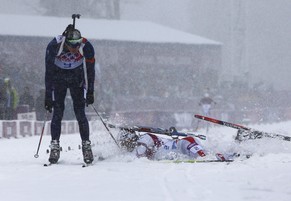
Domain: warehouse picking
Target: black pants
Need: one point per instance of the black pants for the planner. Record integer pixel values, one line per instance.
(77, 94)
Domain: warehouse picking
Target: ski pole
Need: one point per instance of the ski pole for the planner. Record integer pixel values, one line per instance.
(105, 126)
(197, 126)
(40, 139)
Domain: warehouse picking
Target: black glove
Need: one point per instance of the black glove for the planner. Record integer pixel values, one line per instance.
(48, 104)
(89, 98)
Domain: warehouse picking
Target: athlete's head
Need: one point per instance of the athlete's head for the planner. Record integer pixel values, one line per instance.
(128, 140)
(73, 37)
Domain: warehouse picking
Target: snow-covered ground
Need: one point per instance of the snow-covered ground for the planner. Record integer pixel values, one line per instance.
(265, 176)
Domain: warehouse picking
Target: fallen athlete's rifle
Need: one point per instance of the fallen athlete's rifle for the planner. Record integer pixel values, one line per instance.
(172, 132)
(244, 133)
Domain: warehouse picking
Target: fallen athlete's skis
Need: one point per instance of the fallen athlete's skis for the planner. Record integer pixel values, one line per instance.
(244, 132)
(171, 132)
(203, 161)
(196, 161)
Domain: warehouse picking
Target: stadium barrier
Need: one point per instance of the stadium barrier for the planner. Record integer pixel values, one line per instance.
(26, 128)
(182, 119)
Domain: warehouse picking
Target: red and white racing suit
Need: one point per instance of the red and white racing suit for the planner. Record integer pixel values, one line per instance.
(148, 145)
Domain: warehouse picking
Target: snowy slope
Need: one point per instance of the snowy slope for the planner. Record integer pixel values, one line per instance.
(265, 176)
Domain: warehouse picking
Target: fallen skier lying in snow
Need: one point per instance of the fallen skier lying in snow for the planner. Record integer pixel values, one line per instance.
(155, 147)
(150, 144)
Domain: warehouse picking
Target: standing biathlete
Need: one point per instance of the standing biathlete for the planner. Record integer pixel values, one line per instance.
(69, 64)
(206, 103)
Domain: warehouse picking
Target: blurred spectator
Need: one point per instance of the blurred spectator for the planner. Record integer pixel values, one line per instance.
(39, 103)
(11, 100)
(2, 98)
(27, 99)
(206, 103)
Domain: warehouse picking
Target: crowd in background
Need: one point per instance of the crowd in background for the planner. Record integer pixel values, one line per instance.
(234, 101)
(13, 101)
(9, 99)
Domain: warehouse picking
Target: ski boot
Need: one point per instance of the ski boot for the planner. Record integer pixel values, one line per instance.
(55, 151)
(87, 152)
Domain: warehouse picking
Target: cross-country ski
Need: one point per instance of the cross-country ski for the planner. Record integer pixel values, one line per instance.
(244, 133)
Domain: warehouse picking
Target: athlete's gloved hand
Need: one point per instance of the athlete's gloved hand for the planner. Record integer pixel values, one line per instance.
(48, 104)
(89, 98)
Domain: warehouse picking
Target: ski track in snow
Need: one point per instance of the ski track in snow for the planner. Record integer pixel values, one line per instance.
(167, 191)
(265, 176)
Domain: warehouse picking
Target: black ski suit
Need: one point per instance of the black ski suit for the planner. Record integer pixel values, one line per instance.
(65, 70)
